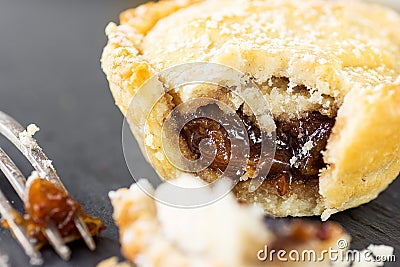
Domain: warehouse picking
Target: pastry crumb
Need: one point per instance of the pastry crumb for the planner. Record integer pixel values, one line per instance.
(327, 213)
(26, 137)
(380, 253)
(381, 250)
(32, 129)
(113, 262)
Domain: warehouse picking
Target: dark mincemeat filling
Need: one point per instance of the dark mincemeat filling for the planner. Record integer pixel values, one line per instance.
(291, 137)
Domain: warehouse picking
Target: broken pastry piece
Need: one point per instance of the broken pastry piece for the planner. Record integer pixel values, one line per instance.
(46, 202)
(224, 233)
(113, 262)
(329, 69)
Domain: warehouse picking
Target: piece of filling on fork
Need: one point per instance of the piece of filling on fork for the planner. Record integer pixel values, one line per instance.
(52, 216)
(47, 203)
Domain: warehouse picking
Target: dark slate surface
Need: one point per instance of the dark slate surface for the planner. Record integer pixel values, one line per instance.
(50, 74)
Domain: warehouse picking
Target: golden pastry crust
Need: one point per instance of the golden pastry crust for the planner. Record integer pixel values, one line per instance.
(346, 53)
(359, 169)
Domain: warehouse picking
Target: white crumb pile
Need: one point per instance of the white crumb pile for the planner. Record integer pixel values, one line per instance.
(373, 256)
(381, 250)
(378, 251)
(26, 137)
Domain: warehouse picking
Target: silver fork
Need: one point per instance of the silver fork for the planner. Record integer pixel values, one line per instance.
(11, 129)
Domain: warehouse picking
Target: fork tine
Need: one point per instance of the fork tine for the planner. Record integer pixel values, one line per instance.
(84, 231)
(12, 173)
(57, 242)
(11, 130)
(7, 212)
